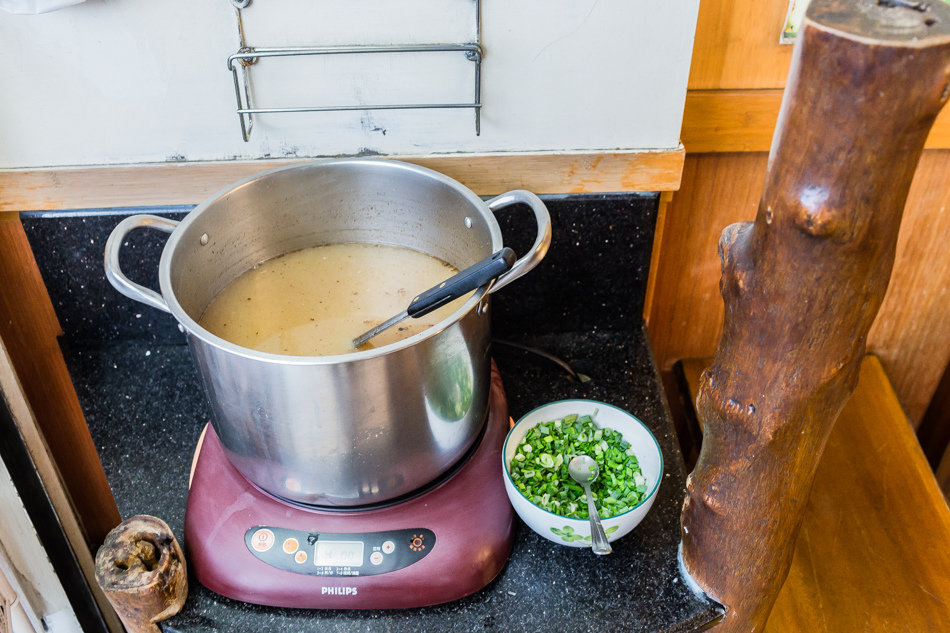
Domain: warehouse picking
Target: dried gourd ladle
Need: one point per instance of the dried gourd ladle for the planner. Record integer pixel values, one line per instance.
(475, 276)
(584, 470)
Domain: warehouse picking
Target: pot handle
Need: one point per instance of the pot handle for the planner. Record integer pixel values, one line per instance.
(542, 242)
(114, 244)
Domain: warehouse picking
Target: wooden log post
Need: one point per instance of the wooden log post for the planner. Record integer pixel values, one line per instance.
(803, 283)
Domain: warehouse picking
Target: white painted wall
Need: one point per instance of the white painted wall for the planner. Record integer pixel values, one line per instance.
(128, 81)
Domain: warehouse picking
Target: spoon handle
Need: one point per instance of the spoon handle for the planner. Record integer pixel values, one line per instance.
(598, 539)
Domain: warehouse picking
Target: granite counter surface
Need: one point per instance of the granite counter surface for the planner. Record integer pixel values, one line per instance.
(142, 400)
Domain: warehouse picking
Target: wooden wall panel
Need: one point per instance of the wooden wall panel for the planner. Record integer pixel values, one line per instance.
(911, 334)
(685, 317)
(744, 121)
(730, 120)
(737, 45)
(28, 328)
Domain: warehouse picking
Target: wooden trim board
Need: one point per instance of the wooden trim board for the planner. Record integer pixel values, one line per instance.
(744, 120)
(160, 184)
(665, 198)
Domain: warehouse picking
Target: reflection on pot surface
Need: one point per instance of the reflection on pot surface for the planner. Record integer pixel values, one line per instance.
(450, 390)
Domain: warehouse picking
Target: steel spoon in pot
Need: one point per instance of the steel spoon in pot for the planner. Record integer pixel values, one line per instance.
(584, 470)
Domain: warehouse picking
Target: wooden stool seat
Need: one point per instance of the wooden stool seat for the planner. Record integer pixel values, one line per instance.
(873, 553)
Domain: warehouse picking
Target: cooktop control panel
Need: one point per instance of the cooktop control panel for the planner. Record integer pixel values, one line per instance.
(327, 554)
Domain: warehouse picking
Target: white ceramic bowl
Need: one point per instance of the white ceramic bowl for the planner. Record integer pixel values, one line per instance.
(576, 532)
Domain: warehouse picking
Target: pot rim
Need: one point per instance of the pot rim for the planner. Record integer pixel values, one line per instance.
(194, 329)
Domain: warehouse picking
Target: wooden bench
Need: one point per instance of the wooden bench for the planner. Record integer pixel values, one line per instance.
(873, 553)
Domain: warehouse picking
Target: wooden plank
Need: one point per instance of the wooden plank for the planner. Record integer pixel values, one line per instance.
(911, 333)
(744, 121)
(28, 328)
(737, 45)
(48, 472)
(862, 561)
(189, 183)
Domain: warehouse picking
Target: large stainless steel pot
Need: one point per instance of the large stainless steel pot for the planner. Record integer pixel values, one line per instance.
(351, 429)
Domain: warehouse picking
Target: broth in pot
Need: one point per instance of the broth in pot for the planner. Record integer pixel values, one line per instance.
(315, 301)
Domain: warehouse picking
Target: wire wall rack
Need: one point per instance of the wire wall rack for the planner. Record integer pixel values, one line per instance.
(246, 56)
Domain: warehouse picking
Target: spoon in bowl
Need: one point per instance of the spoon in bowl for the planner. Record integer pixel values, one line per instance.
(584, 470)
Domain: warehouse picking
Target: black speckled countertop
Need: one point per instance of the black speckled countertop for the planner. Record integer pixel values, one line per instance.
(140, 394)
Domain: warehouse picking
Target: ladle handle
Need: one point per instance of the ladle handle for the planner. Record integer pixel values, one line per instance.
(541, 243)
(114, 272)
(473, 277)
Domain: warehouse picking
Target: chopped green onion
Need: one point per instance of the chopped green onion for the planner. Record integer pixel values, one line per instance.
(539, 468)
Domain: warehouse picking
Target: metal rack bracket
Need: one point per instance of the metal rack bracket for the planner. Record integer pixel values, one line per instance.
(246, 56)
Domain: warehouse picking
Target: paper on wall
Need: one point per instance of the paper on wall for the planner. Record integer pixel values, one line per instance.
(32, 7)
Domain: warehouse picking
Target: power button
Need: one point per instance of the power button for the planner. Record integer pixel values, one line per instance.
(262, 540)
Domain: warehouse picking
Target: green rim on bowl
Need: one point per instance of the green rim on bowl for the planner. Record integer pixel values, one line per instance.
(598, 403)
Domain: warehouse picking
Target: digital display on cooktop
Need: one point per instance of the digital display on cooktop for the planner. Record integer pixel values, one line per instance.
(338, 553)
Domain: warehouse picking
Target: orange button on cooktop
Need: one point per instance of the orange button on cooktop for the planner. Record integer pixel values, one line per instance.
(417, 544)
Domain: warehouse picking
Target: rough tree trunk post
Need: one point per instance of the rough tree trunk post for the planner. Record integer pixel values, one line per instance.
(802, 284)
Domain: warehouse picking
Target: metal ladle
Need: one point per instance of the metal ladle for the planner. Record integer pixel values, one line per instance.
(475, 276)
(584, 470)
